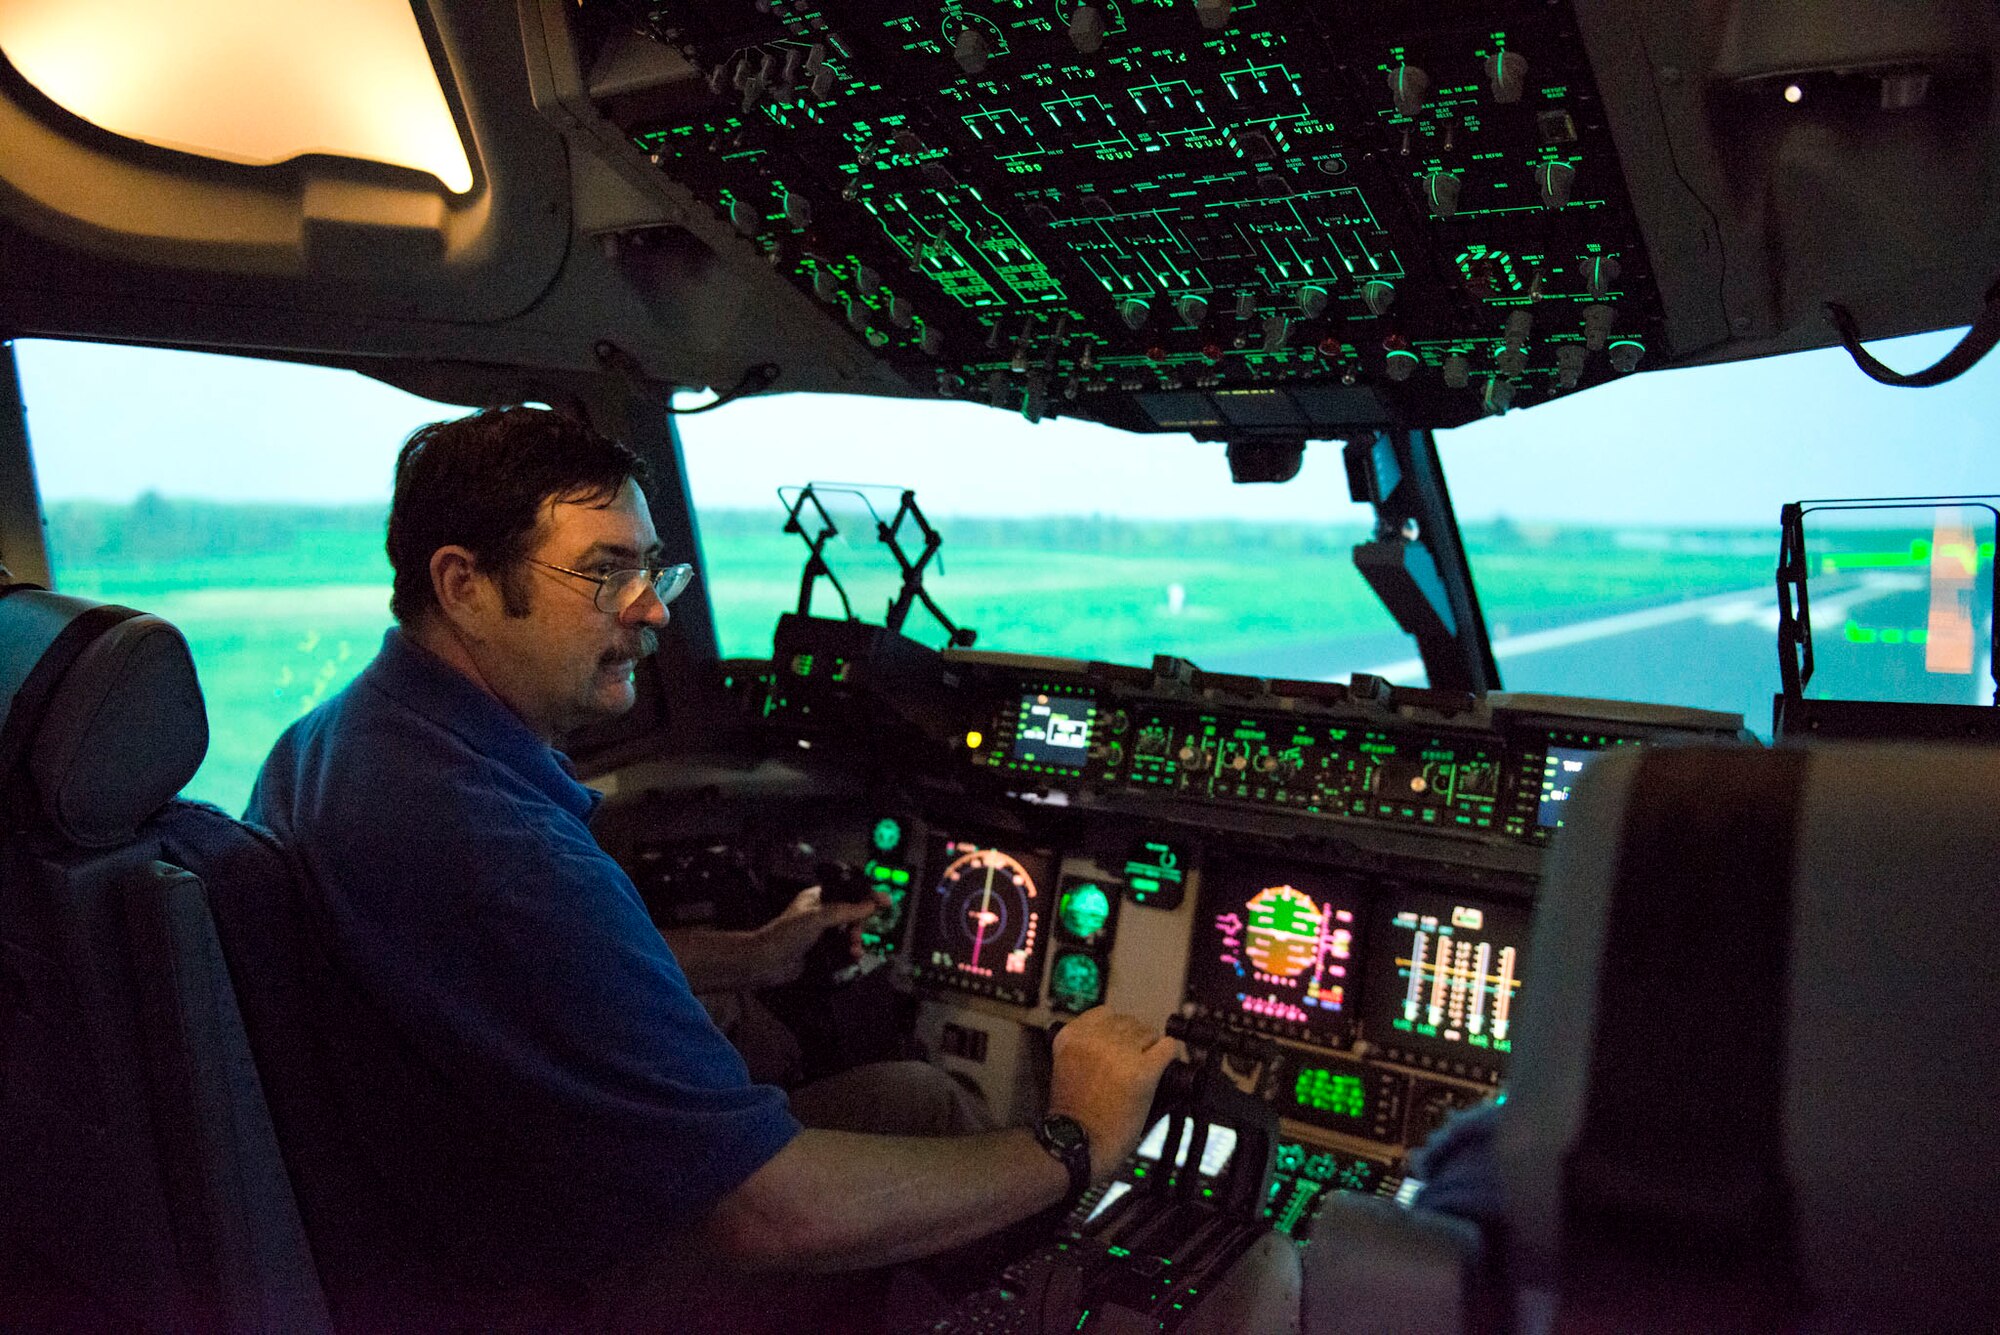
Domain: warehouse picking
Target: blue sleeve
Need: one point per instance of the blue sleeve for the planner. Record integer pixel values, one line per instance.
(523, 972)
(1458, 1169)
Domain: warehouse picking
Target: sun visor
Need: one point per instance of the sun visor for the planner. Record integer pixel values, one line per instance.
(101, 716)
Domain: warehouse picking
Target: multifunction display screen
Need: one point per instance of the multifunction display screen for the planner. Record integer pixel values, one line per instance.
(1276, 948)
(1559, 774)
(983, 922)
(1444, 976)
(1053, 730)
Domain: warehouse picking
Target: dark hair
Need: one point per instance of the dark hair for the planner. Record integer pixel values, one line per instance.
(480, 483)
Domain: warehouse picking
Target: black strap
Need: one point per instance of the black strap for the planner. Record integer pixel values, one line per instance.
(24, 715)
(1978, 341)
(1677, 1210)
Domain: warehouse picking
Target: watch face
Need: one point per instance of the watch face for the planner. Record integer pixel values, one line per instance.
(1063, 1133)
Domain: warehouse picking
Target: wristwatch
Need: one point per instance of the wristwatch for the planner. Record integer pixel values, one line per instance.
(1069, 1145)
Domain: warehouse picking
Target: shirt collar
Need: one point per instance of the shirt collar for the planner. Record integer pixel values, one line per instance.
(420, 680)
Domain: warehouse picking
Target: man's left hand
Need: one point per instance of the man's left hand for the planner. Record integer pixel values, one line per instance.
(782, 944)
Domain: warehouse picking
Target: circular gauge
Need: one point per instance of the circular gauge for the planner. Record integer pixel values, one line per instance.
(1076, 983)
(990, 913)
(1083, 911)
(1284, 930)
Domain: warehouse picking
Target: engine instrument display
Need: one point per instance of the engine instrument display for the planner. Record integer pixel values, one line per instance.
(982, 925)
(1275, 949)
(1443, 978)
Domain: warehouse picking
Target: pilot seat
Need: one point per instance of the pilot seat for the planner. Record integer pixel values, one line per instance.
(141, 1183)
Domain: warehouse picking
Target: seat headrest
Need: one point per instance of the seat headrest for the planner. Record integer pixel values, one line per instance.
(101, 716)
(1788, 951)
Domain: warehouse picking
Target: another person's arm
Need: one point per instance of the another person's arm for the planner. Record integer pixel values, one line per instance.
(837, 1201)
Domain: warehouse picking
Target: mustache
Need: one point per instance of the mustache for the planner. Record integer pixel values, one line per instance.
(647, 642)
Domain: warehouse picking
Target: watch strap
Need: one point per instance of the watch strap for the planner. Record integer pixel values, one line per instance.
(1069, 1145)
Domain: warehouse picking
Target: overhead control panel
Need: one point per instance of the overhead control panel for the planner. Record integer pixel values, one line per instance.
(1238, 218)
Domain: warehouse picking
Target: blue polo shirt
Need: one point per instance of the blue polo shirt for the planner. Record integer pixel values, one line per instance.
(533, 1089)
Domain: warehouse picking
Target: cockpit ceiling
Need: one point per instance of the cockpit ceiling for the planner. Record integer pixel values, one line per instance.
(1235, 220)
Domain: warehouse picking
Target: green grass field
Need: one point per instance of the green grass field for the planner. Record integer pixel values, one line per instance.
(283, 605)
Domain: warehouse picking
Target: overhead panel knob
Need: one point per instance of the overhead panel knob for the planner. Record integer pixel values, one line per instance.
(1277, 333)
(867, 279)
(825, 286)
(1134, 312)
(1520, 324)
(901, 313)
(1457, 371)
(1312, 301)
(971, 50)
(1441, 193)
(1401, 361)
(1506, 75)
(1246, 305)
(1192, 309)
(1408, 87)
(1499, 395)
(745, 218)
(1086, 29)
(1554, 179)
(798, 209)
(1214, 14)
(1569, 364)
(1380, 294)
(859, 317)
(1597, 326)
(1626, 354)
(1600, 274)
(932, 340)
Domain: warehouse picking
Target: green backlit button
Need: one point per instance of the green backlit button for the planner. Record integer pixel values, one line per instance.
(888, 833)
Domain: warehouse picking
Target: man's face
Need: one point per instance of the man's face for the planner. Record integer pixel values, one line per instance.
(566, 663)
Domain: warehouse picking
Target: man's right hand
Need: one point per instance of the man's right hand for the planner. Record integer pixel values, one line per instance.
(1106, 1068)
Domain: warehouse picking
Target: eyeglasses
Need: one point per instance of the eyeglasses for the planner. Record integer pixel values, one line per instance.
(619, 589)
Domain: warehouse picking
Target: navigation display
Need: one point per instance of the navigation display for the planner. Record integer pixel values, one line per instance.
(1559, 775)
(1275, 948)
(1053, 730)
(982, 922)
(1444, 976)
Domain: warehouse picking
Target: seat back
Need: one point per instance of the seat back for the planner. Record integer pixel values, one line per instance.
(1756, 1080)
(141, 1185)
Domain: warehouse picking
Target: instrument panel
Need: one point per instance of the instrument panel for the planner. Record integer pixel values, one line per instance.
(1492, 775)
(1332, 884)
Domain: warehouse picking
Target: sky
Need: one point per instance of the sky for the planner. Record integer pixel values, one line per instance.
(1709, 445)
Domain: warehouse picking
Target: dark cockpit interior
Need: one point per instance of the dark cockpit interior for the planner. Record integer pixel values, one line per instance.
(1722, 973)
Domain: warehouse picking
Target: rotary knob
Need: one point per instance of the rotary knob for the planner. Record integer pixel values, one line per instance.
(971, 50)
(1086, 29)
(1441, 193)
(1408, 87)
(1506, 75)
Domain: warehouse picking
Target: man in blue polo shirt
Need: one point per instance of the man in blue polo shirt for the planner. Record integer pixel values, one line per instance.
(547, 1114)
